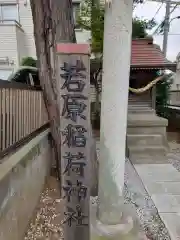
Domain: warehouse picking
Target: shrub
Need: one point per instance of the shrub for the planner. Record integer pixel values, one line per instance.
(162, 96)
(29, 61)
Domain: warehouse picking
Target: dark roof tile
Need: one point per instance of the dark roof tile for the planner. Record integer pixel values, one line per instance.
(146, 54)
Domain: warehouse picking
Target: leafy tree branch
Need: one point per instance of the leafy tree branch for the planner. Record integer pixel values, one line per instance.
(92, 18)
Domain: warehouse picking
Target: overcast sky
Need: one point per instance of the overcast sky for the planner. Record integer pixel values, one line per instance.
(147, 11)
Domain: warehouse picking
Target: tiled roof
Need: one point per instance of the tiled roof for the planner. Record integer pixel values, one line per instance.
(145, 54)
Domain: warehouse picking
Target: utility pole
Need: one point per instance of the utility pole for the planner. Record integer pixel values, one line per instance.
(166, 27)
(169, 3)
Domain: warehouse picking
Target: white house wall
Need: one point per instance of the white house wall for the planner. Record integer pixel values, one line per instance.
(27, 25)
(22, 50)
(26, 21)
(17, 42)
(8, 43)
(83, 36)
(8, 1)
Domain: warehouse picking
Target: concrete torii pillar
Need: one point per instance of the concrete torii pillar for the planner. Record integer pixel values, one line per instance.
(114, 104)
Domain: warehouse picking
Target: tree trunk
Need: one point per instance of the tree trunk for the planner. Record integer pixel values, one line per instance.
(51, 25)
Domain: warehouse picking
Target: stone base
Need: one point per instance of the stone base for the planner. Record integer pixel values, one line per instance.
(127, 229)
(146, 138)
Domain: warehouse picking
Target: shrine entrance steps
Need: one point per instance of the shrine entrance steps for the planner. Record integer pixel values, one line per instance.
(146, 136)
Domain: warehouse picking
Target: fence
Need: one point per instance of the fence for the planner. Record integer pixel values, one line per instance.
(175, 98)
(22, 112)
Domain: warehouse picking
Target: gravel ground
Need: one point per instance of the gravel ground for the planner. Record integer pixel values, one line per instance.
(174, 155)
(46, 223)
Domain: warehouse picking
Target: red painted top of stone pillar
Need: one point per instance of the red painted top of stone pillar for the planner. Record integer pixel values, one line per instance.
(73, 48)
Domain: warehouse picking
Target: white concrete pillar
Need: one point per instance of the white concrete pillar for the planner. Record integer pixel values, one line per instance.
(115, 83)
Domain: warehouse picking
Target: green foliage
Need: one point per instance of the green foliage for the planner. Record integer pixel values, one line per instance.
(162, 96)
(140, 27)
(139, 30)
(92, 18)
(29, 61)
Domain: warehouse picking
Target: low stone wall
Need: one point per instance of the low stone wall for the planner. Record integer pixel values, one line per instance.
(174, 118)
(22, 178)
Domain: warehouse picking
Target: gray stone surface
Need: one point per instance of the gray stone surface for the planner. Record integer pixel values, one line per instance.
(22, 178)
(127, 229)
(146, 138)
(146, 130)
(164, 187)
(157, 173)
(162, 183)
(172, 221)
(136, 195)
(143, 119)
(148, 154)
(166, 203)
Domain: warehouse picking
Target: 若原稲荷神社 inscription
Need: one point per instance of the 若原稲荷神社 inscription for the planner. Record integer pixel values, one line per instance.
(74, 127)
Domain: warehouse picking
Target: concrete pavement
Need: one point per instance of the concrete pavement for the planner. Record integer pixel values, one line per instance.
(162, 182)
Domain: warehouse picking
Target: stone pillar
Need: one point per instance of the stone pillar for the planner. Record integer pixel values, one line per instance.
(114, 103)
(109, 222)
(73, 93)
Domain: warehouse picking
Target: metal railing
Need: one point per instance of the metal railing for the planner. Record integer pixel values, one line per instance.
(22, 112)
(10, 21)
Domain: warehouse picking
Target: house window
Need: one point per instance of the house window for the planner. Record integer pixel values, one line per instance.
(76, 11)
(9, 13)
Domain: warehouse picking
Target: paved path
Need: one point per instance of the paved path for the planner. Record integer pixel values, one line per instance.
(136, 194)
(162, 182)
(155, 191)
